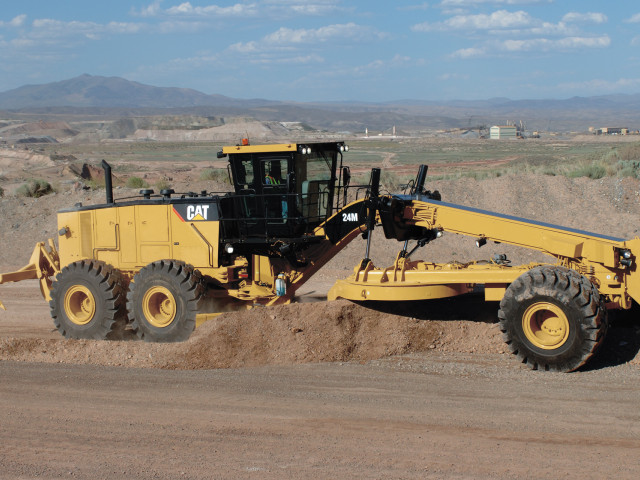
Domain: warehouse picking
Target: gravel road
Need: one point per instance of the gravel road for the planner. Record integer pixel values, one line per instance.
(418, 416)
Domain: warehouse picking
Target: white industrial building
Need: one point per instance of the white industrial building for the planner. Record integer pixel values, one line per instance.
(503, 131)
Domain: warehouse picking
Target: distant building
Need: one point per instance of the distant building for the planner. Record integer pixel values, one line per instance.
(612, 131)
(503, 131)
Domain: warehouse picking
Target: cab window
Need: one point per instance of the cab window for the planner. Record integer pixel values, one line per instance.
(274, 171)
(244, 173)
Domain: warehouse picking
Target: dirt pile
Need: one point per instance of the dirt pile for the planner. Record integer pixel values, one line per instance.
(298, 333)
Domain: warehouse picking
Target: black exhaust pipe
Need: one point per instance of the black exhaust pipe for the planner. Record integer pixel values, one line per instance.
(374, 191)
(418, 188)
(108, 181)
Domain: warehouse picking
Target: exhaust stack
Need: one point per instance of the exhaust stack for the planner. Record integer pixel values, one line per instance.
(108, 181)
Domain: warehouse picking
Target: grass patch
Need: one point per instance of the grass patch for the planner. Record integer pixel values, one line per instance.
(593, 171)
(95, 184)
(162, 184)
(619, 161)
(136, 182)
(219, 175)
(34, 188)
(1, 192)
(392, 182)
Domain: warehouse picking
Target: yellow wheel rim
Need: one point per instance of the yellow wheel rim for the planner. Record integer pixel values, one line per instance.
(159, 307)
(79, 305)
(545, 325)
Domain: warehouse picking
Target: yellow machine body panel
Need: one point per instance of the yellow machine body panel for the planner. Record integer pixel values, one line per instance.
(132, 236)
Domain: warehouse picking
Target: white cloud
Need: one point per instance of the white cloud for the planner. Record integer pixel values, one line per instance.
(17, 21)
(546, 44)
(500, 19)
(123, 27)
(181, 26)
(475, 3)
(293, 60)
(509, 46)
(148, 11)
(289, 38)
(507, 32)
(453, 76)
(323, 34)
(239, 9)
(584, 42)
(245, 47)
(186, 9)
(469, 52)
(547, 28)
(273, 8)
(305, 8)
(634, 18)
(50, 29)
(496, 20)
(589, 17)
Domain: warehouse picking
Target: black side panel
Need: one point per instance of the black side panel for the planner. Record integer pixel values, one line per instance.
(345, 221)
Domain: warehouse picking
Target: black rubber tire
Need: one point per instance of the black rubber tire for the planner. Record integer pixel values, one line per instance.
(182, 284)
(100, 285)
(560, 288)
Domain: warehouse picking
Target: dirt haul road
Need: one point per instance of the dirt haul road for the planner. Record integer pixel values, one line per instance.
(419, 416)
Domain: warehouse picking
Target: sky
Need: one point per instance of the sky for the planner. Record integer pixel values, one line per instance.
(331, 50)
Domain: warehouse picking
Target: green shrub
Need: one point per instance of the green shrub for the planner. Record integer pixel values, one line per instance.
(628, 168)
(162, 184)
(594, 171)
(219, 175)
(392, 182)
(34, 188)
(136, 182)
(94, 184)
(1, 192)
(629, 152)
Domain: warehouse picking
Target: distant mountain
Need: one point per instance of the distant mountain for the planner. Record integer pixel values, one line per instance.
(96, 91)
(116, 98)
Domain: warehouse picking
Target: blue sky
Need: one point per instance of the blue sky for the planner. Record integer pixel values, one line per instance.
(331, 50)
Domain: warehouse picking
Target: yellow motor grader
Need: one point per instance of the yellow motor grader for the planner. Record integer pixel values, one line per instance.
(161, 264)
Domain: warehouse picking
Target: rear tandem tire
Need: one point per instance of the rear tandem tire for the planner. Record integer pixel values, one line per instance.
(163, 301)
(86, 300)
(553, 318)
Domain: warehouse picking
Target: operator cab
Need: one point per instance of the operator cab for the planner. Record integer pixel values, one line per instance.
(283, 190)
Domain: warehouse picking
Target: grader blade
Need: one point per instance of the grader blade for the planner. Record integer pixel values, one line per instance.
(43, 265)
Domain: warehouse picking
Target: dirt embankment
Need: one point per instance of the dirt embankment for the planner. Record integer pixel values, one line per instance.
(299, 333)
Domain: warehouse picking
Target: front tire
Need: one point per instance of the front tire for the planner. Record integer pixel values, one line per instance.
(86, 299)
(553, 318)
(163, 301)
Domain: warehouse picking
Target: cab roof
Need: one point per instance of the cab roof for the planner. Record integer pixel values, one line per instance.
(280, 147)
